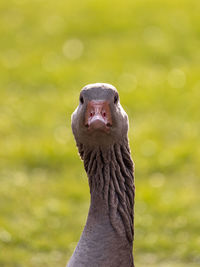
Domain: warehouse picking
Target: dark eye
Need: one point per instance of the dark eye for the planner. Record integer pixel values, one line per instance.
(116, 98)
(81, 100)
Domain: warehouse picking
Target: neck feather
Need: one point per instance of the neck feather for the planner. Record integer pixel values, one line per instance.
(111, 181)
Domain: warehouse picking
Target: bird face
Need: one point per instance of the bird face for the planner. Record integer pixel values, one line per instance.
(99, 118)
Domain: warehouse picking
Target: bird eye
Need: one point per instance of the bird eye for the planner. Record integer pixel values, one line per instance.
(116, 98)
(81, 100)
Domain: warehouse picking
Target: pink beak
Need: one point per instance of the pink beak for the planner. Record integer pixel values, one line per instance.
(98, 116)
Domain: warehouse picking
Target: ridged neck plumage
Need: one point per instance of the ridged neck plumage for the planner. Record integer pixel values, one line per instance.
(111, 180)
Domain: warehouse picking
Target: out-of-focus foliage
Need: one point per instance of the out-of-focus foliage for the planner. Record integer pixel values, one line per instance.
(150, 50)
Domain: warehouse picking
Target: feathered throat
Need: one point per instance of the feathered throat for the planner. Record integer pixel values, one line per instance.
(111, 175)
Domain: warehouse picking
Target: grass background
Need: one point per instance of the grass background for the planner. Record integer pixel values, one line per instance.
(148, 49)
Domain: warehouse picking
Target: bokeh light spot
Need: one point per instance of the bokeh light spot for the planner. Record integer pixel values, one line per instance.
(73, 49)
(5, 236)
(157, 180)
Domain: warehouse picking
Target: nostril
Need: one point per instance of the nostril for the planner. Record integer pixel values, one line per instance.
(104, 114)
(91, 114)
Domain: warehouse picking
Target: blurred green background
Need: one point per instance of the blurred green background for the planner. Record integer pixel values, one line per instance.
(149, 50)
